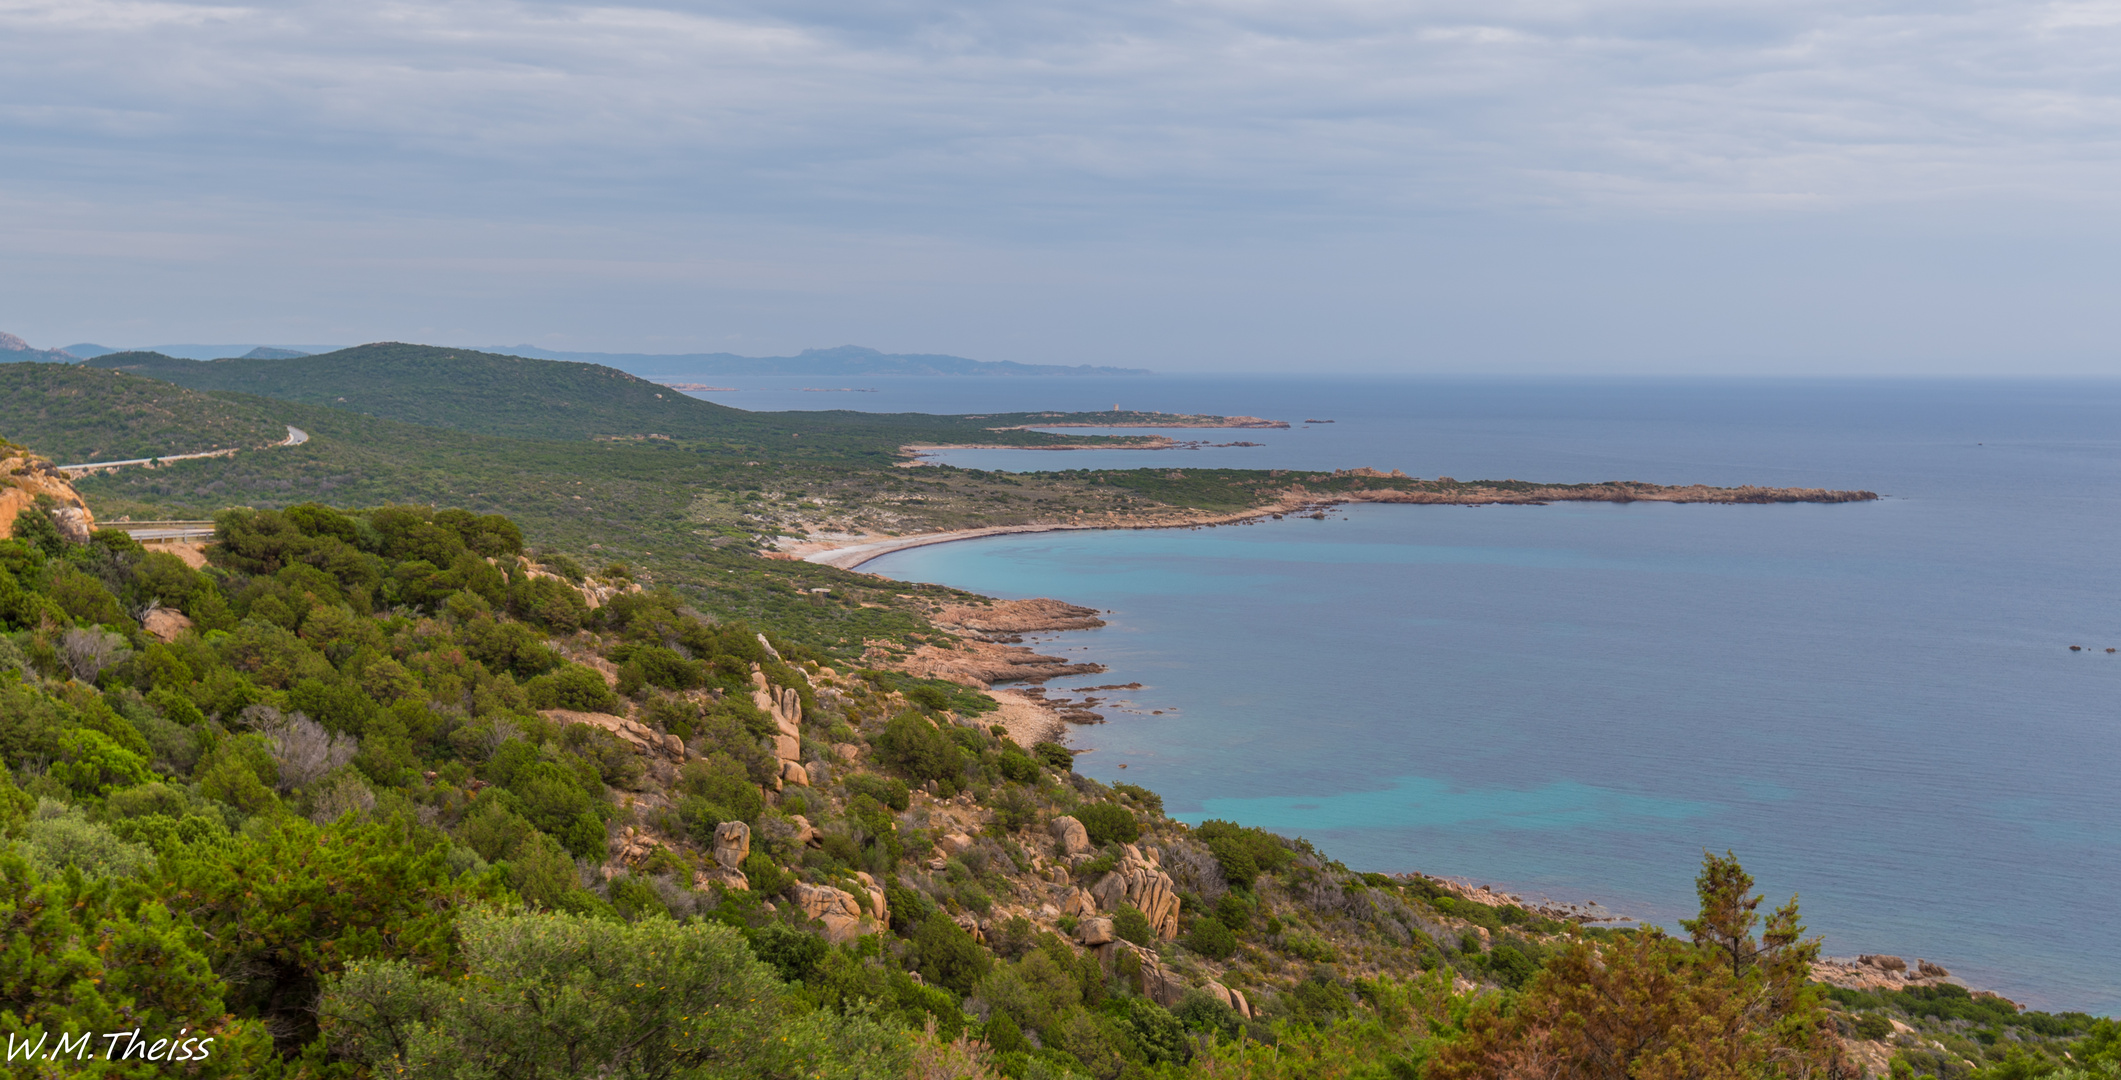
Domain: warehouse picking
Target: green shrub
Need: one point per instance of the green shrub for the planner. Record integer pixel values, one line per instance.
(1243, 853)
(722, 781)
(791, 953)
(913, 744)
(1210, 938)
(1873, 1026)
(1511, 967)
(1055, 756)
(1131, 925)
(766, 876)
(1308, 947)
(1143, 797)
(888, 790)
(636, 899)
(653, 998)
(947, 956)
(1201, 1011)
(1016, 765)
(573, 686)
(1159, 1035)
(92, 763)
(1109, 823)
(1014, 809)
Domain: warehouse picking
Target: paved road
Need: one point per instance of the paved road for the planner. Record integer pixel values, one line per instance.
(295, 437)
(159, 532)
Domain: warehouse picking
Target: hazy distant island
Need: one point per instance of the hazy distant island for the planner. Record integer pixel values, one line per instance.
(844, 360)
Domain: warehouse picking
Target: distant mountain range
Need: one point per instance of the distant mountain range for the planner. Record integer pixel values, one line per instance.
(844, 360)
(14, 350)
(89, 351)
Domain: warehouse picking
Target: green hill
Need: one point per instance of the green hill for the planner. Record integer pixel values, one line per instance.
(451, 388)
(514, 396)
(71, 413)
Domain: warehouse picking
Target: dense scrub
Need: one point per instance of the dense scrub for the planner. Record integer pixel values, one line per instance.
(74, 414)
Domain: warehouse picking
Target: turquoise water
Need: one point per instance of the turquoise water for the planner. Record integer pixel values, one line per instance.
(1873, 704)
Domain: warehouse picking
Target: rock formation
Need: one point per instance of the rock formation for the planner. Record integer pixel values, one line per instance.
(24, 477)
(836, 908)
(1011, 617)
(785, 705)
(1139, 881)
(165, 624)
(1873, 971)
(877, 906)
(1074, 839)
(732, 843)
(641, 737)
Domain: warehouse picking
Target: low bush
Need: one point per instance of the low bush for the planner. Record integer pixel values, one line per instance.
(1210, 938)
(1109, 823)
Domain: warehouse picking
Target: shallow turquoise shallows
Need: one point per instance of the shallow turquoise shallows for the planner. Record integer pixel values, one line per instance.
(1873, 704)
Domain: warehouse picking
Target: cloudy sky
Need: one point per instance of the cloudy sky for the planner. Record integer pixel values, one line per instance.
(1746, 186)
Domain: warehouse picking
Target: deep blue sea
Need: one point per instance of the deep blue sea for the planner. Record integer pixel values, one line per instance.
(1873, 704)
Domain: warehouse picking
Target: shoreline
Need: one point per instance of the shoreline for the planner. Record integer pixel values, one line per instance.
(850, 552)
(1028, 718)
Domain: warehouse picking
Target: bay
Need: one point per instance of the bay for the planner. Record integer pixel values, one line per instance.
(1873, 704)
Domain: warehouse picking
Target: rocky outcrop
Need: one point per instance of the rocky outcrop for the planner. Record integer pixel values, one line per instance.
(1155, 981)
(1094, 931)
(782, 703)
(721, 876)
(836, 908)
(641, 737)
(24, 477)
(981, 664)
(785, 706)
(631, 848)
(1227, 996)
(1079, 903)
(1139, 881)
(1873, 971)
(1074, 839)
(595, 592)
(1012, 617)
(732, 843)
(877, 905)
(165, 624)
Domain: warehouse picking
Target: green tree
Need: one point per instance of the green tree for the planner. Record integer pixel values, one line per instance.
(552, 996)
(1650, 1007)
(80, 955)
(289, 903)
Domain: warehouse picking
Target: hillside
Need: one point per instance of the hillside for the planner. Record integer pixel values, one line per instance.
(353, 796)
(72, 413)
(479, 392)
(490, 394)
(844, 360)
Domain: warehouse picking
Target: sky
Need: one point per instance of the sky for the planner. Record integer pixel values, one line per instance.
(1509, 186)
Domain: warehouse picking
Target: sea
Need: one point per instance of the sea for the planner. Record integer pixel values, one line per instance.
(1875, 705)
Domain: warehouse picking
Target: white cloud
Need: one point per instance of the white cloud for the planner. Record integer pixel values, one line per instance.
(1012, 127)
